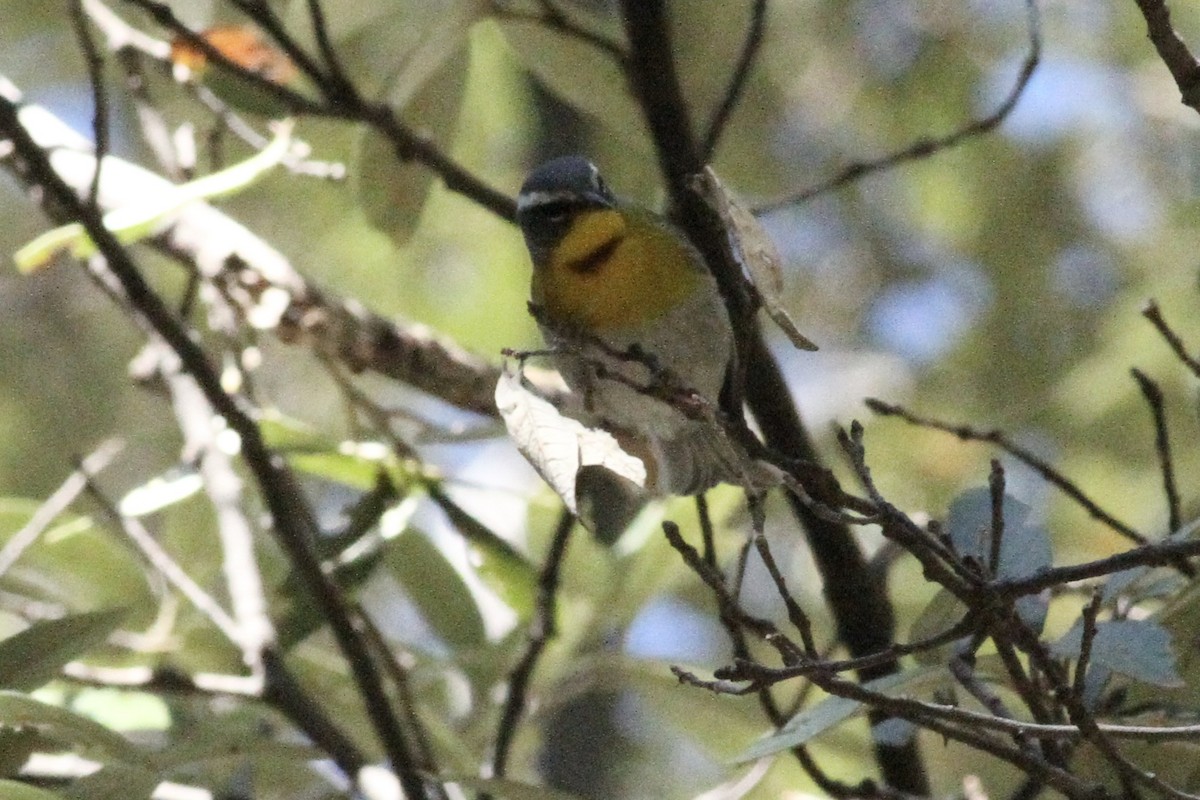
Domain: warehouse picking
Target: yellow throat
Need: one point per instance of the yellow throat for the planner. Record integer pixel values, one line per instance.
(616, 269)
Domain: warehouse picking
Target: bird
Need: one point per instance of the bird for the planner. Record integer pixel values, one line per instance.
(635, 323)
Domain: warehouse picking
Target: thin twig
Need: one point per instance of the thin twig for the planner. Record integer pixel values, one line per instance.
(926, 147)
(166, 565)
(737, 83)
(284, 693)
(1087, 637)
(58, 502)
(1154, 314)
(1158, 554)
(939, 564)
(733, 682)
(795, 614)
(969, 727)
(95, 66)
(770, 675)
(1082, 718)
(164, 679)
(997, 437)
(292, 518)
(707, 534)
(556, 19)
(397, 666)
(337, 103)
(1172, 50)
(1029, 690)
(265, 18)
(1162, 445)
(996, 487)
(290, 99)
(333, 63)
(961, 666)
(736, 621)
(715, 581)
(541, 631)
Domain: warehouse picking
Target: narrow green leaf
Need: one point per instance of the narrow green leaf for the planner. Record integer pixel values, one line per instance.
(582, 74)
(498, 564)
(351, 463)
(943, 612)
(21, 710)
(18, 744)
(116, 782)
(392, 191)
(834, 710)
(140, 220)
(510, 789)
(35, 655)
(436, 588)
(229, 739)
(16, 790)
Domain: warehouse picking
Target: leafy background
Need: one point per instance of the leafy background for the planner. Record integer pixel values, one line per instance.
(997, 283)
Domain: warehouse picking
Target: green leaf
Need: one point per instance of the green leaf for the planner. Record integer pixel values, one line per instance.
(304, 617)
(138, 221)
(74, 563)
(391, 50)
(412, 56)
(510, 789)
(834, 710)
(116, 782)
(1140, 583)
(501, 567)
(229, 739)
(16, 790)
(436, 588)
(34, 656)
(243, 93)
(18, 744)
(1140, 649)
(21, 710)
(352, 463)
(580, 73)
(391, 190)
(943, 612)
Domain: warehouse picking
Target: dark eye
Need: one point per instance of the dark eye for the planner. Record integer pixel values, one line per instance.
(554, 212)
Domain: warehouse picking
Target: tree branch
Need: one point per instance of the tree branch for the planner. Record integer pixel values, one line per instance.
(926, 147)
(292, 519)
(340, 101)
(858, 600)
(541, 631)
(1162, 445)
(737, 82)
(1172, 50)
(263, 285)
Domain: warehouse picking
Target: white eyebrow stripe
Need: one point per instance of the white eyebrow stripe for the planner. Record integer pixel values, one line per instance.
(589, 198)
(527, 200)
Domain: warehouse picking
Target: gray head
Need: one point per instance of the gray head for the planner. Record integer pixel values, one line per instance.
(551, 197)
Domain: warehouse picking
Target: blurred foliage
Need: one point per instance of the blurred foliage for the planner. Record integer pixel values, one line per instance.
(998, 283)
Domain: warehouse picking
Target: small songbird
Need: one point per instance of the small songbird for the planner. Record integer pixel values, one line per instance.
(627, 303)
